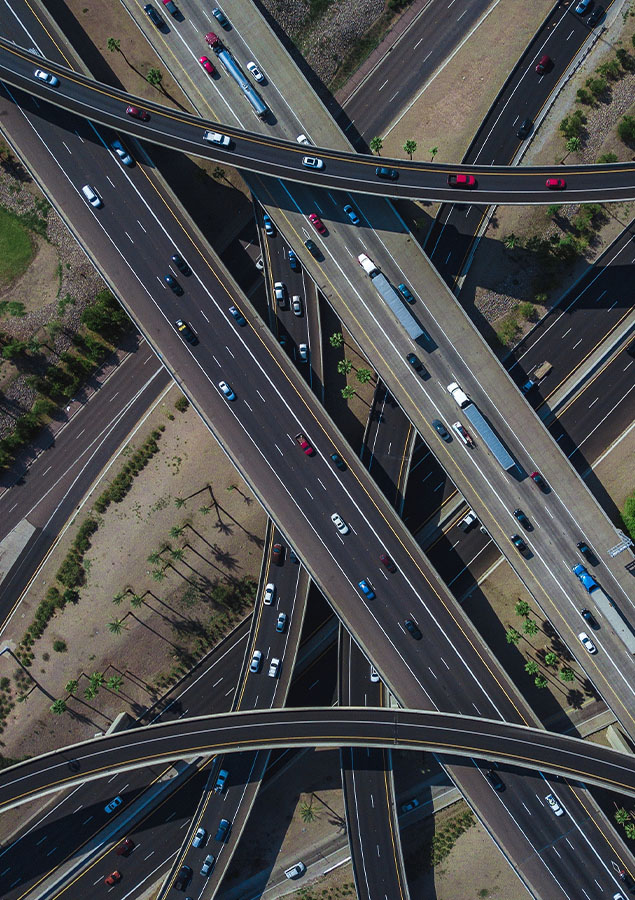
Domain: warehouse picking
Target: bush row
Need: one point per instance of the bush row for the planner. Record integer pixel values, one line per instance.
(122, 482)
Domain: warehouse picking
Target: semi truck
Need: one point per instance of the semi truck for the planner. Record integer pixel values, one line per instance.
(229, 64)
(391, 296)
(472, 413)
(606, 606)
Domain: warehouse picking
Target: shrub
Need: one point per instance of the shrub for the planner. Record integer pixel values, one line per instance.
(607, 158)
(610, 70)
(597, 86)
(181, 404)
(626, 129)
(71, 572)
(572, 126)
(60, 646)
(583, 96)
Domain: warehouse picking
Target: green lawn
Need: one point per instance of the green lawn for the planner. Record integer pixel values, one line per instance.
(16, 248)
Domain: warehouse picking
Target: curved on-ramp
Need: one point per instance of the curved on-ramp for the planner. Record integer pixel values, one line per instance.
(448, 734)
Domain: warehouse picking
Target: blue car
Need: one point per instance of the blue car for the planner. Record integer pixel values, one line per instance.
(352, 215)
(293, 261)
(269, 227)
(366, 589)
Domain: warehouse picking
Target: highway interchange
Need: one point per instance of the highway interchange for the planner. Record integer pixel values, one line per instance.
(305, 461)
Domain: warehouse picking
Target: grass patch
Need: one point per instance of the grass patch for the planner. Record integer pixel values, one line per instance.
(16, 247)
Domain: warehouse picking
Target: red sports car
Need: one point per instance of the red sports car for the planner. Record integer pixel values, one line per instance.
(137, 113)
(317, 223)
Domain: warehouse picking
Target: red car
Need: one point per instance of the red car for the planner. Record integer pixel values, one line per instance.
(137, 113)
(113, 878)
(543, 65)
(126, 847)
(204, 61)
(317, 223)
(302, 441)
(277, 554)
(464, 181)
(387, 561)
(556, 184)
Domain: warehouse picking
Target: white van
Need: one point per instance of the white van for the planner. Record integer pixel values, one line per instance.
(92, 196)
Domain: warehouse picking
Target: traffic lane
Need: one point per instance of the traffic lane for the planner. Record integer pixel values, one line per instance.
(397, 728)
(355, 173)
(599, 414)
(600, 304)
(387, 444)
(80, 816)
(399, 75)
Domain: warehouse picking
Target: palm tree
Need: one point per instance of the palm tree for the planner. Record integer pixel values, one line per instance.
(118, 597)
(344, 366)
(573, 145)
(158, 574)
(176, 531)
(376, 144)
(114, 44)
(347, 392)
(567, 674)
(629, 828)
(540, 681)
(116, 626)
(530, 626)
(155, 78)
(96, 679)
(59, 707)
(114, 683)
(179, 502)
(531, 667)
(205, 510)
(410, 147)
(551, 659)
(512, 636)
(136, 601)
(364, 375)
(177, 554)
(307, 813)
(71, 686)
(522, 608)
(154, 557)
(336, 340)
(218, 173)
(433, 151)
(622, 816)
(510, 241)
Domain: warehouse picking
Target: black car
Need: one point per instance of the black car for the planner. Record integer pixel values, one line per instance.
(415, 362)
(595, 16)
(518, 542)
(494, 778)
(588, 616)
(384, 172)
(180, 263)
(440, 428)
(413, 628)
(173, 284)
(524, 521)
(224, 827)
(339, 462)
(183, 878)
(293, 261)
(525, 129)
(313, 248)
(186, 332)
(153, 15)
(586, 551)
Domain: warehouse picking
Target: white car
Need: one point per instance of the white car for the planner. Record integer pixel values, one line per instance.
(255, 71)
(208, 865)
(122, 153)
(339, 523)
(256, 661)
(302, 139)
(281, 624)
(587, 643)
(374, 675)
(92, 196)
(46, 77)
(296, 305)
(463, 434)
(303, 352)
(269, 595)
(227, 391)
(312, 162)
(555, 806)
(295, 871)
(199, 837)
(215, 137)
(274, 668)
(280, 292)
